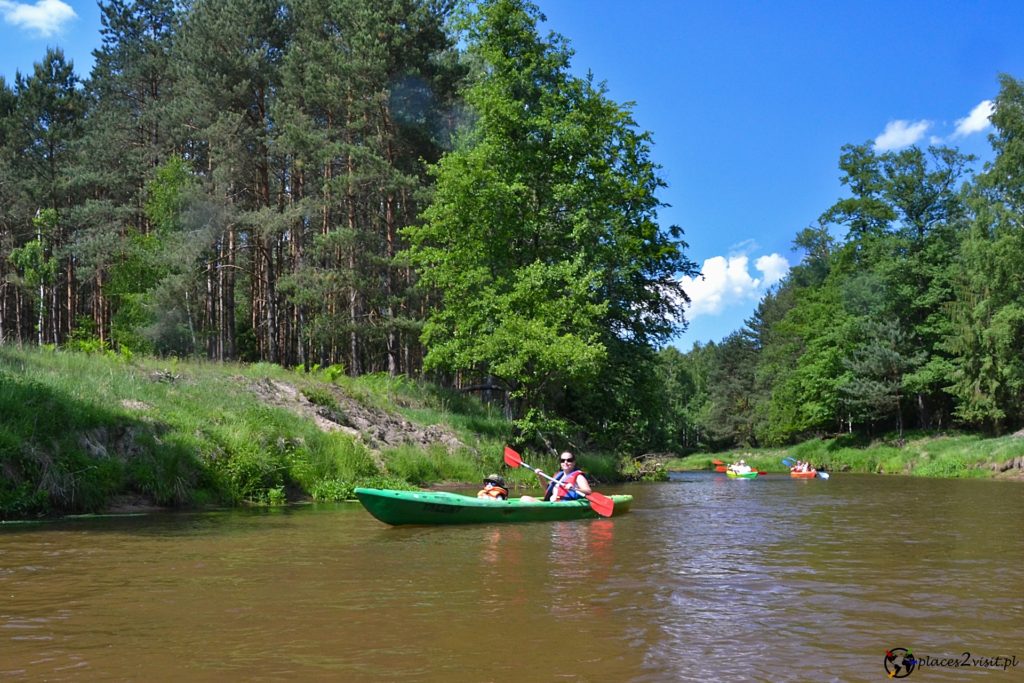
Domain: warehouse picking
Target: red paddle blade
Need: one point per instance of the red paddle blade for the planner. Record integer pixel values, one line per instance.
(512, 459)
(601, 504)
(721, 468)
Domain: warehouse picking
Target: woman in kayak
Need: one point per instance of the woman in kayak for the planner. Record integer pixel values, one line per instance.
(570, 475)
(494, 487)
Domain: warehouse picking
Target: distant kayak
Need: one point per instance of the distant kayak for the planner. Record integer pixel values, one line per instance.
(440, 507)
(741, 475)
(803, 475)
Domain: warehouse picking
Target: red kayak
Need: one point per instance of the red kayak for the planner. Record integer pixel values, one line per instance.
(803, 475)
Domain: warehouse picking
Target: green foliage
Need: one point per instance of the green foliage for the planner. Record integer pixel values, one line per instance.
(542, 237)
(168, 475)
(436, 465)
(730, 413)
(599, 466)
(132, 280)
(332, 490)
(320, 396)
(878, 366)
(42, 455)
(276, 496)
(63, 450)
(336, 490)
(36, 268)
(638, 470)
(685, 382)
(988, 317)
(84, 343)
(166, 194)
(334, 371)
(19, 494)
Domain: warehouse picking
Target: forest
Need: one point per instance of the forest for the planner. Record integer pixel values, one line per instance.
(424, 189)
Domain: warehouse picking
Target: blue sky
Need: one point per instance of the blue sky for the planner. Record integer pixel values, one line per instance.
(749, 104)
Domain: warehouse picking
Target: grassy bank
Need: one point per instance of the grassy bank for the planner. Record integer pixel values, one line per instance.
(90, 432)
(951, 455)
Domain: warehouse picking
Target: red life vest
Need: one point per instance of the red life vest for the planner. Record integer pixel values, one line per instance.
(556, 492)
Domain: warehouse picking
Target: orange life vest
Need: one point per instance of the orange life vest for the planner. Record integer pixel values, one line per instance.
(494, 491)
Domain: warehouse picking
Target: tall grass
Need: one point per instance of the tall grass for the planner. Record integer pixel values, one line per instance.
(81, 429)
(436, 464)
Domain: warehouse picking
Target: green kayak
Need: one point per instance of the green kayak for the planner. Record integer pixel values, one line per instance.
(741, 475)
(439, 507)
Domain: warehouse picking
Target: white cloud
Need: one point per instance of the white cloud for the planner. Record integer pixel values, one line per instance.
(46, 17)
(976, 121)
(727, 282)
(774, 268)
(899, 134)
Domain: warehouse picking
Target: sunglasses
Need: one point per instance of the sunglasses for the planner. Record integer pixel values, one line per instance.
(568, 460)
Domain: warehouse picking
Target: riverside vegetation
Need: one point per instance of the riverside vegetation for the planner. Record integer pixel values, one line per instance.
(928, 455)
(89, 432)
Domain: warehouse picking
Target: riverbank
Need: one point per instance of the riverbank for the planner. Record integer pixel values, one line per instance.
(949, 455)
(86, 433)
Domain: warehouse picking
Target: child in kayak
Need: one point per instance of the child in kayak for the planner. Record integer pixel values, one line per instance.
(494, 487)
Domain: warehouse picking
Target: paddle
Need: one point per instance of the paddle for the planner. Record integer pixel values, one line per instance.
(601, 504)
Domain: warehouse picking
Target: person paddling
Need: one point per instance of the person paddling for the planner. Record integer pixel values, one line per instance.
(568, 474)
(599, 503)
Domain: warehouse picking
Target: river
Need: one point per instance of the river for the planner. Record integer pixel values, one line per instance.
(705, 578)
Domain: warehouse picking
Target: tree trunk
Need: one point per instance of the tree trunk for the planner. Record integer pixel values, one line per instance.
(271, 311)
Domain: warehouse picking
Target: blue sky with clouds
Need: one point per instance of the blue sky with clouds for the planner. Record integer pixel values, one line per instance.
(749, 104)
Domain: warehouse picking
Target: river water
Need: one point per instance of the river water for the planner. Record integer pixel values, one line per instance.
(705, 579)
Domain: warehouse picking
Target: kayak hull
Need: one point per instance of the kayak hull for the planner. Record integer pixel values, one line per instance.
(440, 507)
(803, 475)
(741, 475)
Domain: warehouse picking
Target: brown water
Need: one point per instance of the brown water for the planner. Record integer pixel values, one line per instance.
(706, 579)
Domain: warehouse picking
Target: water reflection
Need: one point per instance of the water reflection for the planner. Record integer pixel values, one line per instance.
(579, 552)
